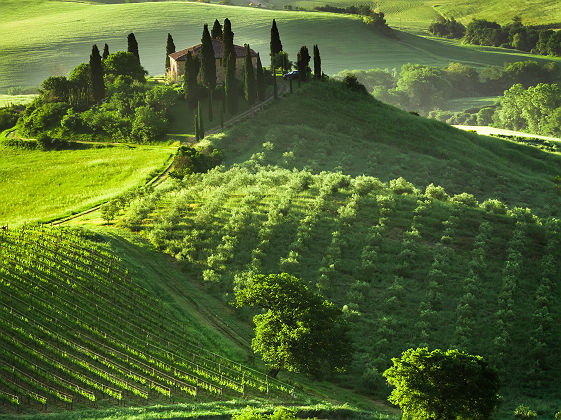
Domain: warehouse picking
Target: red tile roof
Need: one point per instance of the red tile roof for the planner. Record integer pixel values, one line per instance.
(217, 45)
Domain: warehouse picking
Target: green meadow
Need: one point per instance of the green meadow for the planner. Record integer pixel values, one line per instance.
(63, 33)
(411, 264)
(37, 185)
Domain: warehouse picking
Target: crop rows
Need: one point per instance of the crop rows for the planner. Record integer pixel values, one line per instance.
(76, 328)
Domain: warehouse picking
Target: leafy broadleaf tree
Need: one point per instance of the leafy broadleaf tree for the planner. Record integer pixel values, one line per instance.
(443, 385)
(317, 63)
(190, 87)
(259, 79)
(170, 49)
(216, 32)
(133, 46)
(124, 63)
(105, 52)
(303, 60)
(300, 331)
(249, 78)
(96, 75)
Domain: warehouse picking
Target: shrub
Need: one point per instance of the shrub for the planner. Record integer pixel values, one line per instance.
(437, 192)
(494, 206)
(189, 160)
(524, 412)
(352, 83)
(46, 142)
(8, 118)
(364, 184)
(148, 125)
(45, 117)
(401, 186)
(466, 199)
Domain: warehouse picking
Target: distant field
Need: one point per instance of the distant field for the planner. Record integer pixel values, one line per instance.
(39, 185)
(6, 100)
(461, 104)
(63, 33)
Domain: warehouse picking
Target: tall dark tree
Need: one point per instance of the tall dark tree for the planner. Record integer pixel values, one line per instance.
(259, 79)
(230, 86)
(216, 32)
(208, 66)
(317, 63)
(105, 52)
(249, 77)
(190, 79)
(96, 75)
(228, 45)
(302, 63)
(170, 49)
(200, 123)
(276, 44)
(208, 61)
(133, 46)
(196, 122)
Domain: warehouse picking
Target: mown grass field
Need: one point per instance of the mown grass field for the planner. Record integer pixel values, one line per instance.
(63, 33)
(40, 185)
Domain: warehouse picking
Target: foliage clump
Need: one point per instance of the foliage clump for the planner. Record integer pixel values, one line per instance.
(443, 384)
(300, 331)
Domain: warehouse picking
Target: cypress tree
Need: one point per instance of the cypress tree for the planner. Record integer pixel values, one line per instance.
(190, 79)
(259, 79)
(133, 46)
(170, 49)
(249, 78)
(105, 52)
(227, 44)
(96, 75)
(208, 66)
(216, 32)
(200, 122)
(196, 121)
(230, 86)
(303, 59)
(210, 115)
(276, 44)
(317, 63)
(208, 61)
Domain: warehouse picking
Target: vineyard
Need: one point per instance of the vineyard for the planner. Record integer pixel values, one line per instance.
(76, 331)
(409, 267)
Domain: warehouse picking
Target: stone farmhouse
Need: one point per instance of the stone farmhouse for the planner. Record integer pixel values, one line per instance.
(177, 61)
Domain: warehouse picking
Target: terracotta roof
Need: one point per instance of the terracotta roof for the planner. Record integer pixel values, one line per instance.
(217, 45)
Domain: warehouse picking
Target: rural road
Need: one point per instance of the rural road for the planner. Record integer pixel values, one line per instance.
(486, 131)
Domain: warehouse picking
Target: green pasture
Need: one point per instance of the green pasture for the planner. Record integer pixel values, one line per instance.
(7, 100)
(37, 185)
(63, 33)
(461, 104)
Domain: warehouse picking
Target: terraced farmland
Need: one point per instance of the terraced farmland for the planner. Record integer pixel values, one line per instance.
(77, 331)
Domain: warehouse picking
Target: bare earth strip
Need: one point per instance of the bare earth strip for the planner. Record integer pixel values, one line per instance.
(487, 131)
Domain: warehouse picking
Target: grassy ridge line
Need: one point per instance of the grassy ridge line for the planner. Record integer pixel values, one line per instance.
(360, 135)
(64, 32)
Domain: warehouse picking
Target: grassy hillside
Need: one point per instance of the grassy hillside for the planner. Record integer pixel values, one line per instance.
(326, 127)
(410, 265)
(408, 268)
(78, 332)
(39, 185)
(63, 33)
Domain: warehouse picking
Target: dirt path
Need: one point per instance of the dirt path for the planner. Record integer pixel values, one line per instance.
(486, 131)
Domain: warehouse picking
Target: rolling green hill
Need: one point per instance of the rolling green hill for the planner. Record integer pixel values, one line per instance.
(410, 265)
(63, 33)
(78, 332)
